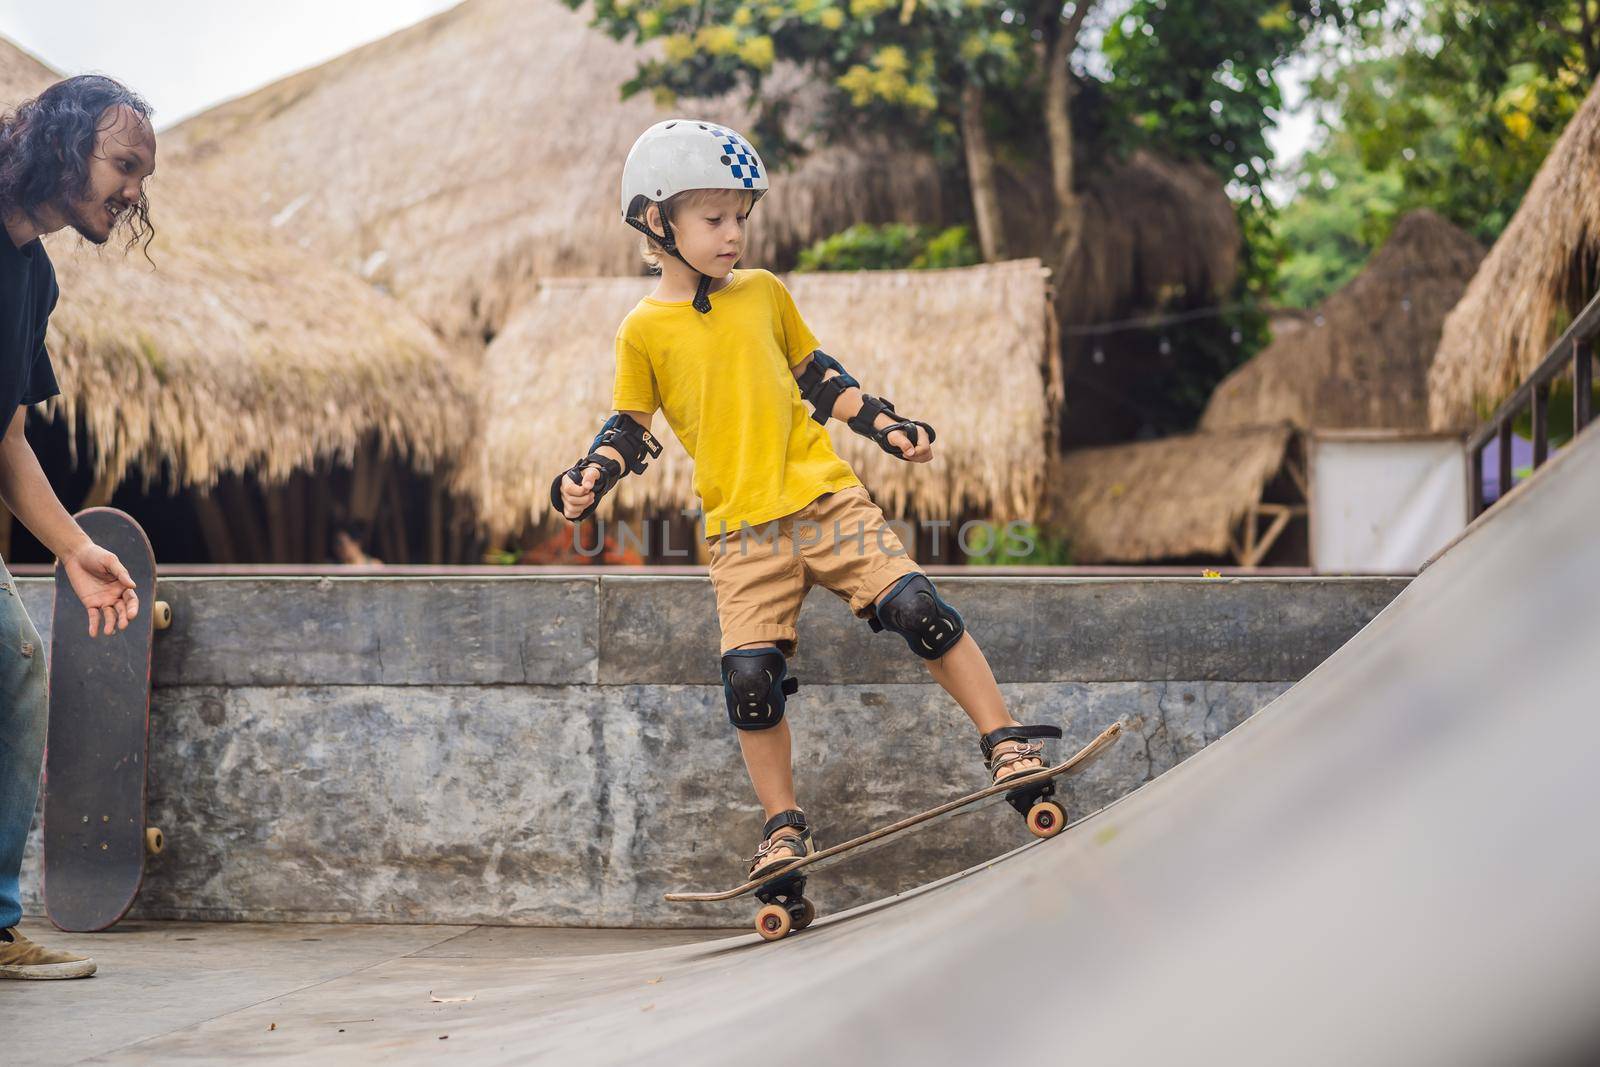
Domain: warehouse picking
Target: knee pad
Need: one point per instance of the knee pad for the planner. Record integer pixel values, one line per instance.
(914, 610)
(755, 681)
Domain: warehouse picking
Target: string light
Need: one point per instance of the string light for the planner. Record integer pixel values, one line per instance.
(1423, 269)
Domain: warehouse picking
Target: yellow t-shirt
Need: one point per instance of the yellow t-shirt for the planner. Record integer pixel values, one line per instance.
(724, 382)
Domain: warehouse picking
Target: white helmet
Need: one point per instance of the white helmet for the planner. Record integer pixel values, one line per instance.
(681, 154)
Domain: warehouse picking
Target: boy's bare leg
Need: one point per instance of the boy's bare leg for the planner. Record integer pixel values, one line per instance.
(965, 675)
(767, 758)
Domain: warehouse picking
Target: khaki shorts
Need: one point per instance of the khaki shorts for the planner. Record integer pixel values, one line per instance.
(761, 574)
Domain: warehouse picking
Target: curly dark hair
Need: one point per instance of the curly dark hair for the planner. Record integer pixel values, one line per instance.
(47, 142)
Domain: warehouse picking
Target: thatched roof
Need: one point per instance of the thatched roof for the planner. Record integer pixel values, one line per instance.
(969, 351)
(1156, 231)
(235, 351)
(21, 75)
(1541, 272)
(1362, 362)
(458, 159)
(1167, 499)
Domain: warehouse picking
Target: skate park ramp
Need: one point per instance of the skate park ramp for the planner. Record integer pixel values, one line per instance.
(1394, 863)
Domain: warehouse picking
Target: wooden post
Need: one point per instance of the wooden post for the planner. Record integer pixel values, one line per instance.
(5, 532)
(1281, 514)
(296, 509)
(214, 528)
(277, 522)
(1505, 457)
(435, 547)
(1582, 376)
(317, 547)
(397, 512)
(452, 541)
(366, 485)
(245, 520)
(1475, 490)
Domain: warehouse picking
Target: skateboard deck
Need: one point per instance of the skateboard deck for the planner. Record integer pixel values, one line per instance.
(1045, 819)
(95, 837)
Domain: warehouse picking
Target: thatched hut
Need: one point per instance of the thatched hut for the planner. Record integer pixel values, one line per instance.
(1227, 496)
(1156, 231)
(523, 142)
(1543, 269)
(928, 340)
(275, 394)
(1362, 362)
(1237, 490)
(459, 159)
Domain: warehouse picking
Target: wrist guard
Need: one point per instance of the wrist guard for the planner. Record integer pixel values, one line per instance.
(625, 435)
(865, 423)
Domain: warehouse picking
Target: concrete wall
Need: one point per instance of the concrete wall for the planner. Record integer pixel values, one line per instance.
(555, 750)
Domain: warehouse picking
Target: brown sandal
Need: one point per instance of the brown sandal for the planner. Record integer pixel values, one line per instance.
(1020, 748)
(776, 853)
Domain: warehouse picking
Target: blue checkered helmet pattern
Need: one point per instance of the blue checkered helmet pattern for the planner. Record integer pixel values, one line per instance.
(681, 154)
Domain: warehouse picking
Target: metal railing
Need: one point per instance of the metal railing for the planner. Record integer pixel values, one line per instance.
(1576, 347)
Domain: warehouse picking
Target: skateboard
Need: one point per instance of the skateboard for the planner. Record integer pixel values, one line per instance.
(782, 892)
(95, 837)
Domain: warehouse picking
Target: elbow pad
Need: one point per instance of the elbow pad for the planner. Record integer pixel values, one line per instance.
(822, 392)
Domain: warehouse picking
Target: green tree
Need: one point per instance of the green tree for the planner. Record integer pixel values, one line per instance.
(893, 246)
(955, 75)
(1451, 105)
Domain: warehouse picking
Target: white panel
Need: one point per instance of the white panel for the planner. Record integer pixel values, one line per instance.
(1384, 505)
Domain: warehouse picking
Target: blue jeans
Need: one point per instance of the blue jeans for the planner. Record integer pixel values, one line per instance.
(24, 710)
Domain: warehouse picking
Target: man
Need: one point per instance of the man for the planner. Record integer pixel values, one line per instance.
(77, 156)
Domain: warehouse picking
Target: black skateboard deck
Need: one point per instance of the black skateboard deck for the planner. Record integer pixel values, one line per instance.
(782, 890)
(95, 837)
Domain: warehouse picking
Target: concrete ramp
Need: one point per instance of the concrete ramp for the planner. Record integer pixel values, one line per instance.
(1397, 862)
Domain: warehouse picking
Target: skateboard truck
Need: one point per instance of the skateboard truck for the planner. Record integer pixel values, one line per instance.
(786, 907)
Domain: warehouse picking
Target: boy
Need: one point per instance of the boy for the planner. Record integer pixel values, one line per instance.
(733, 378)
(75, 157)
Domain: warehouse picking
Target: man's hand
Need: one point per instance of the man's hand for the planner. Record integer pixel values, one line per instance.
(103, 584)
(921, 452)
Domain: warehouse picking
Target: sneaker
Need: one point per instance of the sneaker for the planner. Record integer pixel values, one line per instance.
(21, 958)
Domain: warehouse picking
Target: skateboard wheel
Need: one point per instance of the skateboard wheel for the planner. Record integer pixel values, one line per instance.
(154, 840)
(1046, 819)
(808, 912)
(774, 922)
(161, 614)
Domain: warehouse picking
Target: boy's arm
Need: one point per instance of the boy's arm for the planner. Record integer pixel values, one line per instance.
(642, 418)
(576, 492)
(834, 393)
(848, 402)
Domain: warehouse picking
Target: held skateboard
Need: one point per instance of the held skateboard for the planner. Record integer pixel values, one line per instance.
(95, 837)
(782, 892)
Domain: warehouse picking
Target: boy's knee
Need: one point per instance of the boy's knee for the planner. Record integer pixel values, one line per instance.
(913, 609)
(755, 682)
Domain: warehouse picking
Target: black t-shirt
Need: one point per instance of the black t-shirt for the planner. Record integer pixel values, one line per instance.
(27, 296)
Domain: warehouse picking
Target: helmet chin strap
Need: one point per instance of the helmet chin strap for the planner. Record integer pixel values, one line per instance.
(702, 293)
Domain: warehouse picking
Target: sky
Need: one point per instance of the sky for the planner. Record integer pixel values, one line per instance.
(183, 56)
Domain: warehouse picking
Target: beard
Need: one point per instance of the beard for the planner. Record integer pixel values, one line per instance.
(79, 218)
